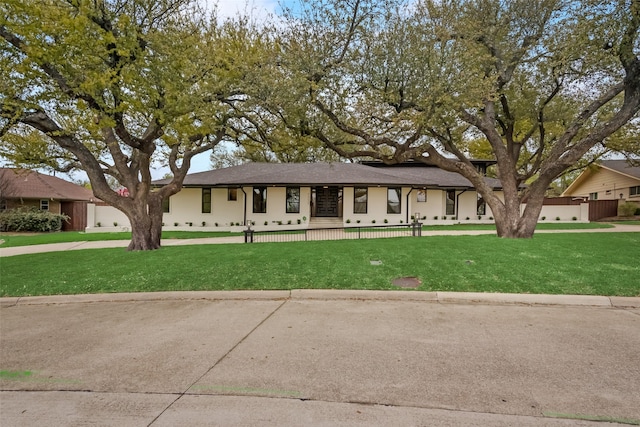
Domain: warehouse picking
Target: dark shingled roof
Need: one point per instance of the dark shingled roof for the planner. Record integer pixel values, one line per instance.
(622, 166)
(28, 184)
(339, 174)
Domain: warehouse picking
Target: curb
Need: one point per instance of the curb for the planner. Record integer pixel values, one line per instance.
(333, 295)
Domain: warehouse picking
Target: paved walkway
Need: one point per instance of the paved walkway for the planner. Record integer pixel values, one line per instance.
(71, 246)
(327, 358)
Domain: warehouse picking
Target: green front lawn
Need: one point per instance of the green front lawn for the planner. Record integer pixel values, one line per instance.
(569, 263)
(27, 239)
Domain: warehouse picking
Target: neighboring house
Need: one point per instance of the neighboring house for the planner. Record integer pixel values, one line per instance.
(608, 180)
(308, 194)
(26, 188)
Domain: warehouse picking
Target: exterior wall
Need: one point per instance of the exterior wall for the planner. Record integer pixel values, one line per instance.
(608, 184)
(277, 209)
(565, 213)
(376, 207)
(186, 207)
(106, 218)
(54, 205)
(435, 206)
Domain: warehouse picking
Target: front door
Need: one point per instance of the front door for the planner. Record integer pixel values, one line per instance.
(327, 201)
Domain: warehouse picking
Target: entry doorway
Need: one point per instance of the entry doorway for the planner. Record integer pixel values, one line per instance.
(327, 201)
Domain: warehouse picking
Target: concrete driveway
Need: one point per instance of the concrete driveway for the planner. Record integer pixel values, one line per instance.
(319, 358)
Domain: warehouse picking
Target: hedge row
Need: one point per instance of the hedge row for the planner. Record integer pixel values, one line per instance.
(31, 220)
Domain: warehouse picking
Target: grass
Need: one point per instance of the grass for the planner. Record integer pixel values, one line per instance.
(569, 263)
(540, 226)
(14, 239)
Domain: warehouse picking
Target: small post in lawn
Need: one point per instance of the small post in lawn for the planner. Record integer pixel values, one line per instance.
(416, 226)
(248, 234)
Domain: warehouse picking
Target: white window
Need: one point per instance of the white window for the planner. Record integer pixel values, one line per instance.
(44, 205)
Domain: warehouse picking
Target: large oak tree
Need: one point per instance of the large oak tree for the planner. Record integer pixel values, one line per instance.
(543, 82)
(114, 87)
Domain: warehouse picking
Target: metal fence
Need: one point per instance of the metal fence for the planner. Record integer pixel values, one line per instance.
(346, 233)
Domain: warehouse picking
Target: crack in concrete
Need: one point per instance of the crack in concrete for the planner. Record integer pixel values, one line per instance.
(219, 360)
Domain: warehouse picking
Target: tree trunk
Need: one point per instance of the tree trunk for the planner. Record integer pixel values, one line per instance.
(146, 225)
(510, 222)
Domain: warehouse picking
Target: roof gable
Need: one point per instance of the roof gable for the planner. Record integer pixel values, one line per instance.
(623, 167)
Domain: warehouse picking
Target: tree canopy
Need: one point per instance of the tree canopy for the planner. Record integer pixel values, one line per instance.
(542, 82)
(115, 86)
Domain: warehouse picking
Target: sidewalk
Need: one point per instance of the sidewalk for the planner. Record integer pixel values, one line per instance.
(71, 246)
(327, 358)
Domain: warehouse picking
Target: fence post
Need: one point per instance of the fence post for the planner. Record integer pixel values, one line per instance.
(416, 228)
(248, 234)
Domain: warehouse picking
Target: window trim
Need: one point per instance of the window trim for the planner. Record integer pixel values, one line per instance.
(635, 188)
(593, 196)
(481, 205)
(447, 204)
(262, 207)
(398, 193)
(297, 202)
(366, 200)
(43, 203)
(206, 204)
(230, 193)
(166, 205)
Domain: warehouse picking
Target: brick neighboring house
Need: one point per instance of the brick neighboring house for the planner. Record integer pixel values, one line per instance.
(27, 188)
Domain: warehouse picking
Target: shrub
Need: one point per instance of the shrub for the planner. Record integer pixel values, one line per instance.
(358, 221)
(348, 221)
(544, 217)
(215, 223)
(204, 223)
(175, 224)
(627, 209)
(115, 223)
(575, 218)
(289, 222)
(557, 218)
(100, 225)
(33, 220)
(637, 212)
(468, 218)
(435, 217)
(386, 221)
(299, 221)
(373, 221)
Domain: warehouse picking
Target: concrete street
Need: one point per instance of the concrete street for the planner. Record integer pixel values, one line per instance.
(344, 358)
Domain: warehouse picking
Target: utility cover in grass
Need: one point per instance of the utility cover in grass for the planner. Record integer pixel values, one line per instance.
(375, 262)
(406, 282)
